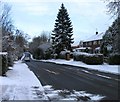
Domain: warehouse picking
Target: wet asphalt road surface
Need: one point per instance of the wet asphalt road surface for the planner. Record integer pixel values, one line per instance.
(76, 78)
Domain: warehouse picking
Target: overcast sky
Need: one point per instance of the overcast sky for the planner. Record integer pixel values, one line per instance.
(35, 16)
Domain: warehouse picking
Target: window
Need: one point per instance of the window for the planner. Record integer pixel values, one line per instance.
(99, 42)
(90, 43)
(94, 42)
(84, 44)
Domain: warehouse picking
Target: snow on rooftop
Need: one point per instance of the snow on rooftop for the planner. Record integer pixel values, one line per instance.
(83, 48)
(98, 48)
(3, 53)
(95, 37)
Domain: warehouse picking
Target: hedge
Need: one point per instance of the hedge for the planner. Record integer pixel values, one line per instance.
(92, 59)
(10, 61)
(78, 57)
(114, 59)
(4, 62)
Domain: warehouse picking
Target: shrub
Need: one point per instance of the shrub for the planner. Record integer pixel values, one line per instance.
(93, 59)
(79, 56)
(87, 58)
(114, 59)
(71, 55)
(38, 54)
(4, 63)
(65, 55)
(10, 61)
(62, 56)
(47, 55)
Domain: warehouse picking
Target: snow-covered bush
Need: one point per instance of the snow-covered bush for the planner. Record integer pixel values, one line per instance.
(3, 63)
(79, 56)
(114, 59)
(54, 56)
(48, 54)
(65, 55)
(88, 58)
(93, 59)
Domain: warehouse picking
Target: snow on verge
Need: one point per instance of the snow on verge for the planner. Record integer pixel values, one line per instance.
(21, 84)
(103, 68)
(76, 96)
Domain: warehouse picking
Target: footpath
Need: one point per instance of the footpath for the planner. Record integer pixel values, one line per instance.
(20, 83)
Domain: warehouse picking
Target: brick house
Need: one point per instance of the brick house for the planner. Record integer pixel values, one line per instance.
(94, 42)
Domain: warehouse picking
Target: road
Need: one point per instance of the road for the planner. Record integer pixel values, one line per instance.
(76, 78)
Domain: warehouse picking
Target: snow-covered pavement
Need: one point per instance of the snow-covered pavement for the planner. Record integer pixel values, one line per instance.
(21, 84)
(104, 68)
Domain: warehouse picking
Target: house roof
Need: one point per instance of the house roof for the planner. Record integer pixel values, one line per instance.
(3, 53)
(95, 37)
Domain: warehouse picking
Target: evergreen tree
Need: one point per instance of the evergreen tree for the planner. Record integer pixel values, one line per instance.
(63, 31)
(114, 9)
(116, 37)
(112, 36)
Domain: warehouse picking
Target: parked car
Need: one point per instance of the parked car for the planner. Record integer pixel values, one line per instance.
(27, 59)
(27, 56)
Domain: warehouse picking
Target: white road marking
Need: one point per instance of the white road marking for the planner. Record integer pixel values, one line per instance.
(117, 79)
(87, 71)
(56, 73)
(104, 76)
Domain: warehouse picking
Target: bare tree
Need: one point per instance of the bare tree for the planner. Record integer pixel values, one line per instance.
(114, 7)
(21, 43)
(7, 28)
(36, 42)
(44, 38)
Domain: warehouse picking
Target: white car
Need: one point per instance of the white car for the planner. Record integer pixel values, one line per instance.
(27, 59)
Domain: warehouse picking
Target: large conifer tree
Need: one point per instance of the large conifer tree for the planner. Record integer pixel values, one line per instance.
(112, 36)
(63, 31)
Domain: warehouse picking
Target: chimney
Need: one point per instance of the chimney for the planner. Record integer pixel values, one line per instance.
(96, 32)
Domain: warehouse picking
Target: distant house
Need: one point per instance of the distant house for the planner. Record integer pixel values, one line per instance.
(83, 49)
(93, 43)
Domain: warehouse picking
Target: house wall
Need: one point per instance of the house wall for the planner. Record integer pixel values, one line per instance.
(93, 44)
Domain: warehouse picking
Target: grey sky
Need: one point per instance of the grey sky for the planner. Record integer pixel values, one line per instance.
(35, 16)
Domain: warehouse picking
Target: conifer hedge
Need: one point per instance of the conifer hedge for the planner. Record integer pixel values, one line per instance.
(3, 64)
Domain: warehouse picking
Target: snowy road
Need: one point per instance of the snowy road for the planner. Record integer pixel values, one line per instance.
(76, 78)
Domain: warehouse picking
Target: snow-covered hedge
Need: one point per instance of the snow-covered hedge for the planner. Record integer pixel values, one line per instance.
(114, 59)
(87, 58)
(3, 63)
(93, 60)
(78, 56)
